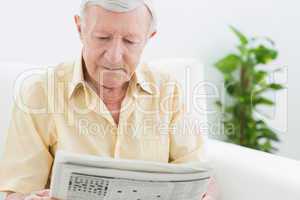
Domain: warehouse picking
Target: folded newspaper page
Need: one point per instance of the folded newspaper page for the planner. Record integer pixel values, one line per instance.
(86, 177)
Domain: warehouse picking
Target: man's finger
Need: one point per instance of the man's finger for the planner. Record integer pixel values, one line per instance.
(43, 193)
(35, 197)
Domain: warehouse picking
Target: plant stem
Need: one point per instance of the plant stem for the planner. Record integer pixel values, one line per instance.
(243, 82)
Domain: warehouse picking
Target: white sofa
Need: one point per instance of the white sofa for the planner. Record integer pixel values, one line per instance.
(241, 173)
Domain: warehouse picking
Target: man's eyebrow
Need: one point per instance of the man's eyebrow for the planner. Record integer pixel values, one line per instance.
(126, 35)
(101, 32)
(133, 35)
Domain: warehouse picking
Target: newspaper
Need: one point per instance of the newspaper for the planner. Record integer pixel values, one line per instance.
(86, 177)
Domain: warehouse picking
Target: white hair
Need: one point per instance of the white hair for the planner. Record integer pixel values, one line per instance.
(121, 6)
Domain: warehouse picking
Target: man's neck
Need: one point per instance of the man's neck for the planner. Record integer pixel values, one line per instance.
(111, 96)
(108, 95)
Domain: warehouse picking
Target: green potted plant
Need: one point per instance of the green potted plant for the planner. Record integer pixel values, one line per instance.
(245, 85)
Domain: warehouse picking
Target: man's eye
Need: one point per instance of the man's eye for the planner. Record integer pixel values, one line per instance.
(103, 38)
(130, 41)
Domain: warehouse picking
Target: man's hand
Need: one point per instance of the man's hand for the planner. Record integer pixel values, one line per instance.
(212, 192)
(40, 195)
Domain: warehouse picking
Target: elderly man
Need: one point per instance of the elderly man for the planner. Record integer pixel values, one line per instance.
(105, 103)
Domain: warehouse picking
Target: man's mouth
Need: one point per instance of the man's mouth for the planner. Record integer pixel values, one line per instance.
(114, 68)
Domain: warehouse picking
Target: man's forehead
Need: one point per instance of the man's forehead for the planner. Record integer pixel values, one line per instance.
(102, 21)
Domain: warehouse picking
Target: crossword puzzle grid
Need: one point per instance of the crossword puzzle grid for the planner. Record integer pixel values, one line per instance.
(87, 187)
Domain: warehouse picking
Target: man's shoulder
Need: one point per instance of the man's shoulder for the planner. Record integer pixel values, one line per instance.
(38, 84)
(64, 71)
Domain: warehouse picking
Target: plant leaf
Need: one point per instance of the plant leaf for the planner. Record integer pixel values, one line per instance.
(272, 86)
(266, 146)
(229, 64)
(262, 101)
(263, 54)
(259, 76)
(242, 37)
(275, 86)
(231, 88)
(269, 134)
(219, 104)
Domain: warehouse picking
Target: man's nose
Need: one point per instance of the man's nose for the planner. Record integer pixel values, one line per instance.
(114, 52)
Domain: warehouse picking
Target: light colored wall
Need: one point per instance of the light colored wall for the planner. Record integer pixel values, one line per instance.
(42, 32)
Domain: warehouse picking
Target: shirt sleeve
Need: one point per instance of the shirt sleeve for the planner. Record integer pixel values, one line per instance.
(186, 140)
(26, 160)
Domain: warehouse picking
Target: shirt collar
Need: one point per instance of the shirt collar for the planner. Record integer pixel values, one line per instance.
(143, 78)
(77, 77)
(139, 78)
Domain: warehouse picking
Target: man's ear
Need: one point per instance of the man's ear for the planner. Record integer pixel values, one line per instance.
(78, 24)
(152, 34)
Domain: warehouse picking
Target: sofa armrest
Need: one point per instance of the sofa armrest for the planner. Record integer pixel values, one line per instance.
(246, 174)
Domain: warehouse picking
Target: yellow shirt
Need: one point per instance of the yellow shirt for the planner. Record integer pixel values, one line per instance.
(57, 110)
